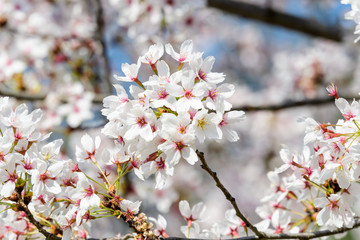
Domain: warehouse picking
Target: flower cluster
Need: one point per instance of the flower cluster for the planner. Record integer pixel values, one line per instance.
(317, 188)
(230, 226)
(147, 21)
(152, 132)
(354, 14)
(168, 112)
(34, 174)
(47, 47)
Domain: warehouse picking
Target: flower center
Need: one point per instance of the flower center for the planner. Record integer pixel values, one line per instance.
(188, 94)
(141, 121)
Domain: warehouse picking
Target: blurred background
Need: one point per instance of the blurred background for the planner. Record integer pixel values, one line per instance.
(61, 55)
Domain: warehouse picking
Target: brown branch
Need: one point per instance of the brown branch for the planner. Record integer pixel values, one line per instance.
(23, 207)
(290, 104)
(100, 20)
(228, 196)
(98, 99)
(270, 16)
(45, 36)
(247, 108)
(301, 236)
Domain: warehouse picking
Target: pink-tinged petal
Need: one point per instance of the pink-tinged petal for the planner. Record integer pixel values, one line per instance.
(226, 90)
(199, 89)
(87, 142)
(213, 131)
(336, 218)
(97, 142)
(230, 134)
(167, 146)
(7, 189)
(320, 202)
(38, 188)
(208, 64)
(120, 90)
(184, 208)
(198, 210)
(200, 134)
(186, 48)
(170, 50)
(146, 133)
(160, 180)
(41, 166)
(52, 187)
(122, 79)
(162, 222)
(173, 157)
(55, 169)
(139, 173)
(236, 115)
(343, 179)
(67, 234)
(342, 104)
(3, 176)
(174, 90)
(94, 201)
(188, 80)
(84, 204)
(163, 68)
(182, 105)
(215, 78)
(195, 103)
(190, 155)
(132, 132)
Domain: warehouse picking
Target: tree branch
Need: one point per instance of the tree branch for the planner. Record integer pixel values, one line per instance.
(98, 99)
(30, 217)
(228, 196)
(268, 15)
(100, 21)
(46, 36)
(301, 236)
(290, 104)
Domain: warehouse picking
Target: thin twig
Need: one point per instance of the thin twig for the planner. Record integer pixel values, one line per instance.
(270, 16)
(228, 196)
(30, 217)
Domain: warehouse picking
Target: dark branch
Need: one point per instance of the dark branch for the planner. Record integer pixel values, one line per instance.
(268, 15)
(30, 217)
(228, 196)
(39, 97)
(100, 21)
(290, 104)
(46, 36)
(301, 236)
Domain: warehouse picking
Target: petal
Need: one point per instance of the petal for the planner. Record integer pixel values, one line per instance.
(7, 189)
(87, 143)
(189, 155)
(184, 208)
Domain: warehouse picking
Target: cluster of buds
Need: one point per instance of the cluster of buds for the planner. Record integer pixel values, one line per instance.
(354, 14)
